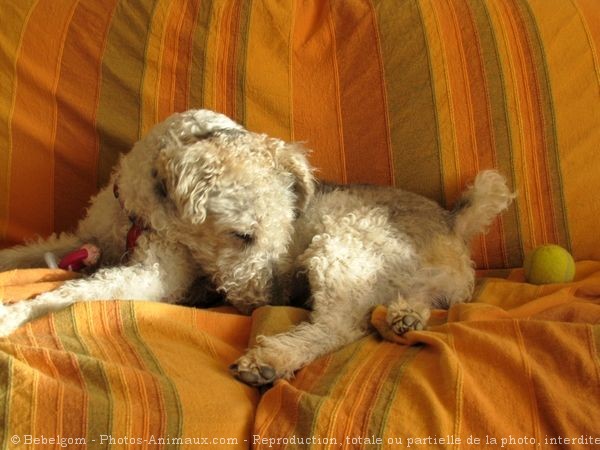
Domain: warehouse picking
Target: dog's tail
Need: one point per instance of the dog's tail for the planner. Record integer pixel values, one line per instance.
(480, 204)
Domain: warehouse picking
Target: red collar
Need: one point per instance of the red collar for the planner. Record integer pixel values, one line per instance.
(138, 226)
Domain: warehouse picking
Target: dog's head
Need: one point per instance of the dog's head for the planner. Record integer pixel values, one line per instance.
(231, 196)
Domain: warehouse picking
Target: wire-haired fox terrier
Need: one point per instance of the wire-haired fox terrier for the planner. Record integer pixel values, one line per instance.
(205, 197)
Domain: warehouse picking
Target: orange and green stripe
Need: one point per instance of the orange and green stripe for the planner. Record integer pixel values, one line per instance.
(96, 374)
(267, 83)
(119, 116)
(76, 139)
(334, 397)
(34, 118)
(199, 52)
(6, 370)
(508, 231)
(94, 380)
(367, 143)
(412, 111)
(314, 83)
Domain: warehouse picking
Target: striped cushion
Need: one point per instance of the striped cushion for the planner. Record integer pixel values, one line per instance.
(421, 94)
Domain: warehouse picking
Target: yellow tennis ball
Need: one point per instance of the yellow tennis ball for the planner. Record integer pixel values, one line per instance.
(549, 264)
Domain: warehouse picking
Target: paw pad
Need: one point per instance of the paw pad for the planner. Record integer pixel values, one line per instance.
(253, 375)
(405, 321)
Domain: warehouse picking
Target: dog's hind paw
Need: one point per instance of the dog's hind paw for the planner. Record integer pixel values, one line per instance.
(403, 318)
(252, 372)
(254, 376)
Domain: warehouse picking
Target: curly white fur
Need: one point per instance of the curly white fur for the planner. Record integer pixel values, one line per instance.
(244, 210)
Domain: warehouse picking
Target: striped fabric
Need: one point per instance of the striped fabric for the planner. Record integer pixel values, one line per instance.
(518, 369)
(117, 375)
(522, 363)
(417, 93)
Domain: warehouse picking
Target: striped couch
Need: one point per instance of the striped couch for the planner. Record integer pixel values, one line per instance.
(421, 94)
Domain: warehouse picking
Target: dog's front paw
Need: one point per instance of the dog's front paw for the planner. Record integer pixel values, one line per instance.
(252, 371)
(402, 317)
(13, 316)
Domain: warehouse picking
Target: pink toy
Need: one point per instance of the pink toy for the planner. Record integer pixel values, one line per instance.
(85, 256)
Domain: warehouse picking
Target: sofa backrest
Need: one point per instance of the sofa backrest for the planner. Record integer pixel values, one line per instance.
(421, 94)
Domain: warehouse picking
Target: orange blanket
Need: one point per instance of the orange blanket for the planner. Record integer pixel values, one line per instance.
(517, 368)
(130, 374)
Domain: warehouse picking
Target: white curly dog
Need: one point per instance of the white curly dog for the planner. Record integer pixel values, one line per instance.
(211, 198)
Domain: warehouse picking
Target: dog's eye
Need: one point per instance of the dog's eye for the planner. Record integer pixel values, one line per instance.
(161, 189)
(246, 238)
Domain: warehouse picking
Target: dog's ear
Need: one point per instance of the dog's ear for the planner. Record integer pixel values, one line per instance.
(292, 157)
(189, 177)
